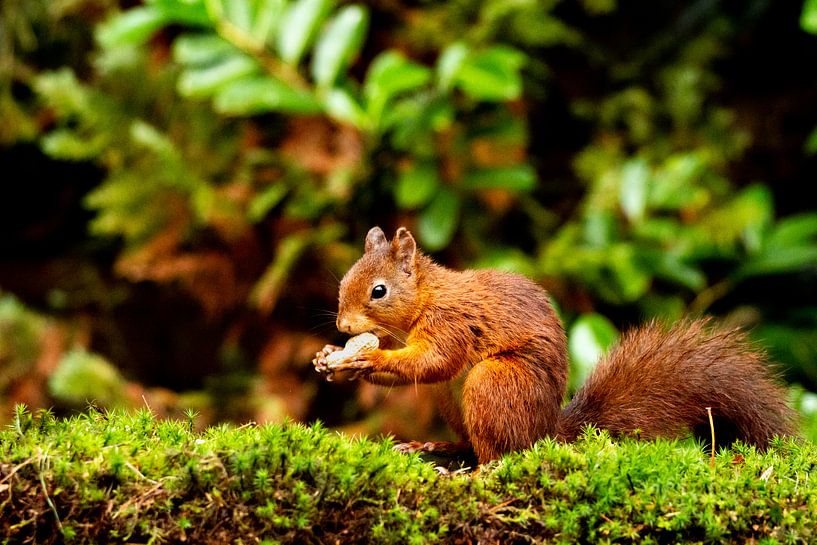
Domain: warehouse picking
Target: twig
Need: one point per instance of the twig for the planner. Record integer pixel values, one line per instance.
(712, 430)
(43, 457)
(707, 297)
(9, 487)
(14, 470)
(139, 473)
(136, 500)
(499, 506)
(284, 72)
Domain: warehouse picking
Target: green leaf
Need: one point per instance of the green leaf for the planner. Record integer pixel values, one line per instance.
(672, 267)
(811, 142)
(259, 94)
(808, 404)
(755, 203)
(132, 27)
(438, 221)
(779, 260)
(389, 75)
(507, 259)
(794, 230)
(149, 137)
(265, 292)
(635, 178)
(629, 279)
(745, 218)
(65, 144)
(512, 178)
(793, 341)
(808, 17)
(449, 64)
(492, 75)
(664, 231)
(212, 63)
(339, 43)
(239, 13)
(267, 20)
(201, 82)
(590, 336)
(674, 185)
(81, 376)
(201, 49)
(184, 12)
(266, 201)
(299, 27)
(416, 185)
(64, 94)
(415, 119)
(599, 228)
(341, 106)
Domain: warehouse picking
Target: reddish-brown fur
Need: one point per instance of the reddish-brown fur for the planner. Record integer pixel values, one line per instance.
(659, 382)
(496, 351)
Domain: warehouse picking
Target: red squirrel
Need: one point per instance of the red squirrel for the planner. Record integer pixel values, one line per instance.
(496, 353)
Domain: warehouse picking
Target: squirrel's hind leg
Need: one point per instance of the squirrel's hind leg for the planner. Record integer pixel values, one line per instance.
(508, 406)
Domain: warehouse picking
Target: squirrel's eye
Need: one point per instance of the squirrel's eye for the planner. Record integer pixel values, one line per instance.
(379, 291)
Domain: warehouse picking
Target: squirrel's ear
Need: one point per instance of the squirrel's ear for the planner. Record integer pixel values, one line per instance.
(405, 250)
(375, 240)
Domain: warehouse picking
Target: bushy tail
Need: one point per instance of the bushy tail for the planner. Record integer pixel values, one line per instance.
(659, 382)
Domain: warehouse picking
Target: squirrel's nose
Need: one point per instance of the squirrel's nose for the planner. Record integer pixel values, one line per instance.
(343, 325)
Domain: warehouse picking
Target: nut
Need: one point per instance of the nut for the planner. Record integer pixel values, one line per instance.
(365, 342)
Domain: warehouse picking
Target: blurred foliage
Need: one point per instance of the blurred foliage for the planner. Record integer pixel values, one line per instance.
(81, 377)
(19, 342)
(43, 362)
(590, 336)
(808, 21)
(247, 145)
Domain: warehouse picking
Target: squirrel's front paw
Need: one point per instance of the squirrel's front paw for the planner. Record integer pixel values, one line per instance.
(320, 363)
(359, 363)
(355, 356)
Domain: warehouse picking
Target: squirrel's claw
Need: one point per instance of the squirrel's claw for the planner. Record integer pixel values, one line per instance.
(320, 363)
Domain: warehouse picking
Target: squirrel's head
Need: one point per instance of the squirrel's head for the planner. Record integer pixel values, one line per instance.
(379, 294)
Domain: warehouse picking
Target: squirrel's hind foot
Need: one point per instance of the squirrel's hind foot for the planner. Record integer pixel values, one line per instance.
(451, 455)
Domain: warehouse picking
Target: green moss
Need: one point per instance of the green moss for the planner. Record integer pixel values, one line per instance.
(116, 477)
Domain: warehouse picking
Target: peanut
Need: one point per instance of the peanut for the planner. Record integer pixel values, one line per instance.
(365, 342)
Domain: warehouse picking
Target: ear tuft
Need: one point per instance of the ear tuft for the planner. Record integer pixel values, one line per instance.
(375, 240)
(404, 249)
